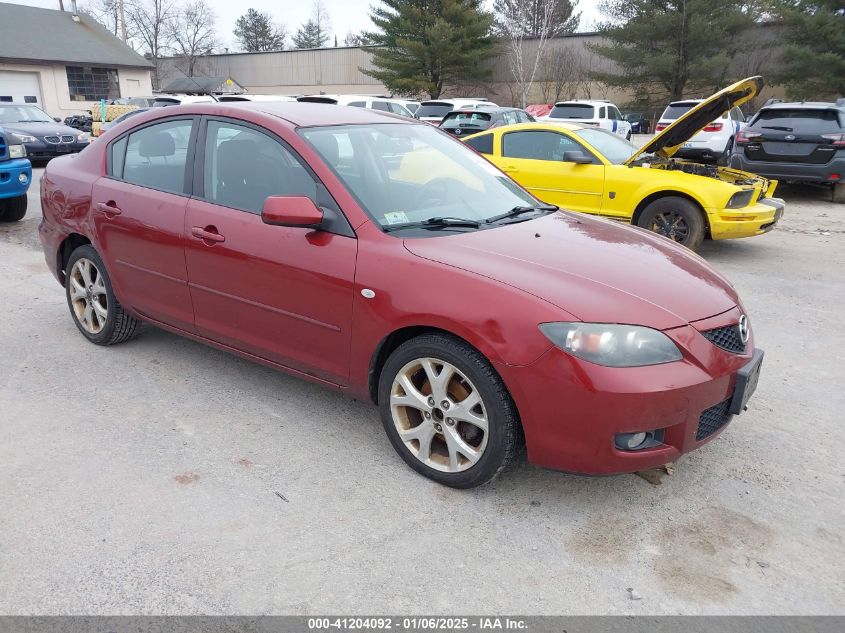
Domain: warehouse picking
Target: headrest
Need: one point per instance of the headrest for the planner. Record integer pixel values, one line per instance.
(157, 144)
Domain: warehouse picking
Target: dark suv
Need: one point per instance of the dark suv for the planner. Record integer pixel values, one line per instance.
(800, 142)
(466, 121)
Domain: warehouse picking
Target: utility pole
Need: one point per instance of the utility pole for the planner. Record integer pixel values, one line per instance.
(122, 20)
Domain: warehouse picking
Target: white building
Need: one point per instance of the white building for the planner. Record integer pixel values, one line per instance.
(65, 63)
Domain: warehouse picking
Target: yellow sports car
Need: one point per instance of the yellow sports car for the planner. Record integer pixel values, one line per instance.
(583, 168)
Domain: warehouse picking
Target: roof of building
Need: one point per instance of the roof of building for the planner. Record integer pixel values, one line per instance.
(47, 35)
(204, 85)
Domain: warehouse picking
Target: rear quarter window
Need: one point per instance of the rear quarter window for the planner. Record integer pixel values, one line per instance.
(482, 144)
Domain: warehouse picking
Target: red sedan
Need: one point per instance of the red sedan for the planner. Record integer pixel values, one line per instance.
(384, 259)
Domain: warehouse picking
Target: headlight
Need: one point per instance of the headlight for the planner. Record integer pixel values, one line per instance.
(84, 137)
(740, 199)
(17, 151)
(25, 138)
(612, 345)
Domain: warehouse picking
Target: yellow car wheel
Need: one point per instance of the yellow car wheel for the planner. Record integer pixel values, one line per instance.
(676, 218)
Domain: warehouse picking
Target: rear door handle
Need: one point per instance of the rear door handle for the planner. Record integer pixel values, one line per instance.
(207, 234)
(109, 208)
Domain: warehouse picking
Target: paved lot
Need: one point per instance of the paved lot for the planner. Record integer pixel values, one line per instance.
(142, 478)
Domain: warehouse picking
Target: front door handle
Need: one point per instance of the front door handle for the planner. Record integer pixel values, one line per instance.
(109, 208)
(207, 234)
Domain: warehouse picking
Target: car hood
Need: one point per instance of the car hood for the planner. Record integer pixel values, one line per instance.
(37, 128)
(596, 270)
(685, 127)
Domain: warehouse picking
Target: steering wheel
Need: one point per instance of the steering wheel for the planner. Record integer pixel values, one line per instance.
(438, 191)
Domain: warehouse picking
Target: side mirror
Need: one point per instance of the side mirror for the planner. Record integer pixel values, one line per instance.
(577, 157)
(57, 119)
(297, 211)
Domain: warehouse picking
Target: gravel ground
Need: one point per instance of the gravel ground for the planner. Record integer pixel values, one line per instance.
(142, 479)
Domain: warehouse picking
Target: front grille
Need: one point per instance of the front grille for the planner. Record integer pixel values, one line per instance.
(67, 138)
(727, 337)
(713, 419)
(55, 140)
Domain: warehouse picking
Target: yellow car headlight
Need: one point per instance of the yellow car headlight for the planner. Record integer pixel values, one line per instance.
(740, 199)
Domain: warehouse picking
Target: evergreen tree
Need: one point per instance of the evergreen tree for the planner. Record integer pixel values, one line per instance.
(814, 57)
(672, 46)
(424, 45)
(256, 32)
(315, 32)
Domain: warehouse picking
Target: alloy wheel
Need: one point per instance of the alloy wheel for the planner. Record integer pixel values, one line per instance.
(672, 225)
(439, 415)
(88, 295)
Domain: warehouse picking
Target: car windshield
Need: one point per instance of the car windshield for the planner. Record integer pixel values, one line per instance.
(571, 111)
(23, 114)
(613, 147)
(431, 110)
(403, 174)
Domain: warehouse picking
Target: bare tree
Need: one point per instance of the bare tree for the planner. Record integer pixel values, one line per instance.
(355, 39)
(192, 31)
(511, 22)
(151, 24)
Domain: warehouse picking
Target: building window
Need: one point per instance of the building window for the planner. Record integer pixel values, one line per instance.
(92, 84)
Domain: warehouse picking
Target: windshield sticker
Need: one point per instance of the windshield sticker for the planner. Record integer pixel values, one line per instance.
(395, 217)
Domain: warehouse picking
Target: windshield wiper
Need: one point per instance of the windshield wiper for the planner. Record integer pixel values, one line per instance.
(435, 223)
(517, 211)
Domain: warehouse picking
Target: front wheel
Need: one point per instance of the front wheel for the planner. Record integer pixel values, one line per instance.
(13, 209)
(93, 305)
(676, 218)
(447, 412)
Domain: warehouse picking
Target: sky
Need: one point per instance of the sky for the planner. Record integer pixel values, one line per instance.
(345, 15)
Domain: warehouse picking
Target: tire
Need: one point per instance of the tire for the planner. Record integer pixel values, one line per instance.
(13, 209)
(839, 193)
(675, 218)
(90, 297)
(725, 158)
(474, 391)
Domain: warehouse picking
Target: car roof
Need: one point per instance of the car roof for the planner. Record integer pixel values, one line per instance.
(538, 126)
(592, 102)
(304, 114)
(808, 105)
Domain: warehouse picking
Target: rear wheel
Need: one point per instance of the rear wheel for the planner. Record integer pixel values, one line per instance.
(447, 412)
(13, 209)
(676, 218)
(93, 306)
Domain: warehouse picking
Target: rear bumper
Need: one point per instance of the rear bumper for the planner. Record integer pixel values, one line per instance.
(712, 148)
(753, 220)
(797, 172)
(11, 185)
(571, 411)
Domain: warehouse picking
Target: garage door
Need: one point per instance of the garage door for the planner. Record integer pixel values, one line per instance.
(18, 87)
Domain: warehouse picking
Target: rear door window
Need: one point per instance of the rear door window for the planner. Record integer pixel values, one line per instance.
(156, 156)
(381, 105)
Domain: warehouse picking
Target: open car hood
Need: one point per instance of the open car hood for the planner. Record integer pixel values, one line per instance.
(685, 127)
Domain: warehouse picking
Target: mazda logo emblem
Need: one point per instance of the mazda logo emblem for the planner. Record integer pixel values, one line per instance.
(743, 329)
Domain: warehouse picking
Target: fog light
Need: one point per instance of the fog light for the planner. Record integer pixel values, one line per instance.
(631, 441)
(639, 441)
(23, 179)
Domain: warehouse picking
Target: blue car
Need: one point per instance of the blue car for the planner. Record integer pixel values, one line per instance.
(15, 176)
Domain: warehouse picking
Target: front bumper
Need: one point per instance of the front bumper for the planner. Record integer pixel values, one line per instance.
(10, 177)
(572, 410)
(754, 219)
(795, 172)
(41, 149)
